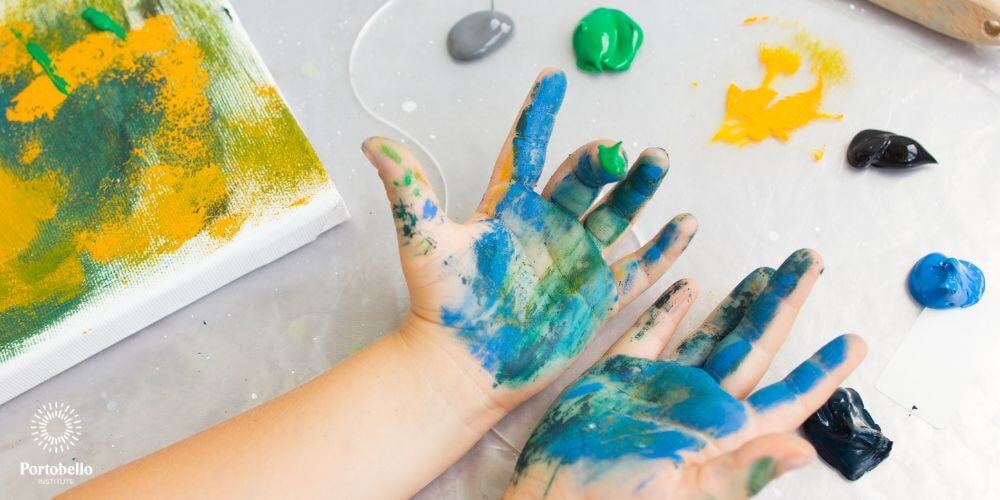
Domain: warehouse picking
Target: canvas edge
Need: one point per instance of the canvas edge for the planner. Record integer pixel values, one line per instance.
(270, 242)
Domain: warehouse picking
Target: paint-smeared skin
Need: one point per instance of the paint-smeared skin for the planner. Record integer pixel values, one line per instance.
(762, 472)
(731, 351)
(696, 348)
(661, 305)
(626, 416)
(541, 287)
(803, 378)
(609, 220)
(626, 406)
(516, 320)
(577, 191)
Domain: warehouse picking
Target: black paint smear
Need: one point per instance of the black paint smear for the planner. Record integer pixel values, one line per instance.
(882, 149)
(846, 436)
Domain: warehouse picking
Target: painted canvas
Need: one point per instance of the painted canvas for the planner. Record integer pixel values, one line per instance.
(146, 158)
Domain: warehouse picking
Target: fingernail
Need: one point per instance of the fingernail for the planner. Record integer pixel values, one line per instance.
(795, 462)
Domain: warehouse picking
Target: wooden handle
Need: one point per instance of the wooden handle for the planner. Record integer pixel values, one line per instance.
(976, 21)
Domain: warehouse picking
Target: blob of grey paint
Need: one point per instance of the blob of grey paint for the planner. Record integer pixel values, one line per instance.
(479, 34)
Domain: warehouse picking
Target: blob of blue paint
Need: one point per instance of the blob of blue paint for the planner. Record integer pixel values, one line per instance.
(941, 282)
(430, 210)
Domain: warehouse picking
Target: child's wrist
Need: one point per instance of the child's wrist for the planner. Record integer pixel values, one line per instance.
(450, 375)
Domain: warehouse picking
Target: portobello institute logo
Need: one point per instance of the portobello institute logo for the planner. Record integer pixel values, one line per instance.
(55, 427)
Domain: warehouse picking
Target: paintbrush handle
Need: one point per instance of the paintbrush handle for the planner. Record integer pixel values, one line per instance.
(976, 21)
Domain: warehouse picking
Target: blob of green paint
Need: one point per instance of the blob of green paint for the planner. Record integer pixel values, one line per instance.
(606, 40)
(103, 22)
(391, 153)
(761, 472)
(611, 158)
(42, 58)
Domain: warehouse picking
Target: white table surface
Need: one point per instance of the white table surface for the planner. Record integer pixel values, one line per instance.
(283, 324)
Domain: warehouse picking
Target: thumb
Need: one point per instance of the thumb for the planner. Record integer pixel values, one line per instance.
(416, 211)
(744, 472)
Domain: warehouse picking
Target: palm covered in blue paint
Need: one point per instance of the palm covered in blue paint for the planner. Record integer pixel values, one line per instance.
(521, 288)
(688, 426)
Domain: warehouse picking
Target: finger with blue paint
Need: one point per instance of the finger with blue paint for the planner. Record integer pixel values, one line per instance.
(616, 212)
(578, 181)
(523, 154)
(693, 349)
(784, 405)
(741, 358)
(655, 327)
(636, 272)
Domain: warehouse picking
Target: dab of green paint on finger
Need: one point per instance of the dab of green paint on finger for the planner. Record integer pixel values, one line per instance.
(761, 472)
(611, 158)
(391, 153)
(103, 22)
(42, 58)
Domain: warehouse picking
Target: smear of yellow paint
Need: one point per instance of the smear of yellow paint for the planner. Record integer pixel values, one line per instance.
(30, 150)
(753, 115)
(694, 85)
(13, 57)
(174, 207)
(755, 19)
(24, 204)
(818, 154)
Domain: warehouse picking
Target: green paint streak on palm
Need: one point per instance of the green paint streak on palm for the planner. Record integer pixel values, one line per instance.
(761, 472)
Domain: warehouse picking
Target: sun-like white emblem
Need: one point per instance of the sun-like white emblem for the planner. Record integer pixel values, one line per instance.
(55, 427)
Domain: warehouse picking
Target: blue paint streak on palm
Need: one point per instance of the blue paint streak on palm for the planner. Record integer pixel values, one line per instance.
(518, 320)
(804, 378)
(733, 349)
(626, 406)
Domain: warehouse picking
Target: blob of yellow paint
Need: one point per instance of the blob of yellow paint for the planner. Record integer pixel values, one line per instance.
(818, 154)
(753, 115)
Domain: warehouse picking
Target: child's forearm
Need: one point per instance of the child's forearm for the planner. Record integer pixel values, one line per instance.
(382, 424)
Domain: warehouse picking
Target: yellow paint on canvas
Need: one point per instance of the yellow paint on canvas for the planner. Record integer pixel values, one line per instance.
(24, 204)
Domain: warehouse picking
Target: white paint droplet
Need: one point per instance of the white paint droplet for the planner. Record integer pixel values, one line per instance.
(409, 106)
(112, 405)
(773, 236)
(253, 395)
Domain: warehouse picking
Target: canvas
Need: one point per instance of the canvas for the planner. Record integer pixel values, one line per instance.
(146, 158)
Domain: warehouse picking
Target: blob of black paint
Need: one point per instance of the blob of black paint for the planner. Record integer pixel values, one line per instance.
(846, 436)
(882, 149)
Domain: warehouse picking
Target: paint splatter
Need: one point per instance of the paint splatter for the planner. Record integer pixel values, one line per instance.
(753, 115)
(124, 155)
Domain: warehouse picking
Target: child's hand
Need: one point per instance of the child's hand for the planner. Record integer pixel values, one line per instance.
(513, 295)
(635, 425)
